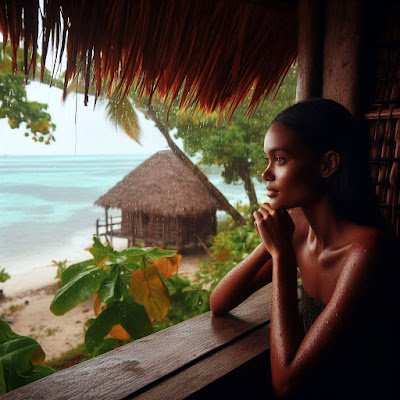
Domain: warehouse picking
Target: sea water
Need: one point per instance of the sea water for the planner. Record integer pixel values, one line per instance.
(47, 209)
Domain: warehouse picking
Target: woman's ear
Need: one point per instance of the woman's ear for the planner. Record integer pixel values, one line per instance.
(329, 163)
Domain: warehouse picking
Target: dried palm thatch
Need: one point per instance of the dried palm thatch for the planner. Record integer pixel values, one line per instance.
(162, 203)
(161, 185)
(213, 51)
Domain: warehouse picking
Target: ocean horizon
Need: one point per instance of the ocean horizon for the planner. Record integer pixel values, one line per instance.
(47, 204)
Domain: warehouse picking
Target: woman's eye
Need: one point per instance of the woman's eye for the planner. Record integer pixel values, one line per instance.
(279, 159)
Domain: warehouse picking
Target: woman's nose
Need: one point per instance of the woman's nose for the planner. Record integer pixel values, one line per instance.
(267, 174)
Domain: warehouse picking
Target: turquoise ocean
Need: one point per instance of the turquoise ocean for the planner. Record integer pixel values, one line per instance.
(46, 204)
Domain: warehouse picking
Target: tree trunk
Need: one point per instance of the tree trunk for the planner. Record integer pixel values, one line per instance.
(249, 187)
(212, 190)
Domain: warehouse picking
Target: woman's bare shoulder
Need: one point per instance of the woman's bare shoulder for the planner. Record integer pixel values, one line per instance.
(301, 225)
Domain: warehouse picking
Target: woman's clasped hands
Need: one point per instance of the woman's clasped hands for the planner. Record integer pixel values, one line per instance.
(275, 228)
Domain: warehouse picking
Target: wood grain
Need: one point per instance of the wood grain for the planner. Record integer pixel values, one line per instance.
(128, 370)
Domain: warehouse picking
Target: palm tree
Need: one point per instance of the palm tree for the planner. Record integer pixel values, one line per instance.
(122, 112)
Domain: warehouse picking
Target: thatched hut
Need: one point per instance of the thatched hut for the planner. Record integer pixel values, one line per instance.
(162, 203)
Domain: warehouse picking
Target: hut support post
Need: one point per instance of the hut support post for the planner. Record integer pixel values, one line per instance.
(106, 217)
(97, 228)
(342, 52)
(310, 49)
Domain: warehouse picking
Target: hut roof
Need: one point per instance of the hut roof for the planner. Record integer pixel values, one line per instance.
(161, 185)
(215, 50)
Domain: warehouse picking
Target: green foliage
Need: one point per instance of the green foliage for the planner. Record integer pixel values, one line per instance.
(61, 266)
(4, 276)
(133, 289)
(228, 248)
(20, 359)
(236, 144)
(15, 106)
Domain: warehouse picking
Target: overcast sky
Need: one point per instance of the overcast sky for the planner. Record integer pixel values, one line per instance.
(91, 134)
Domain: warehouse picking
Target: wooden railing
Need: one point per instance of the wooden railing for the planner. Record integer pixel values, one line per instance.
(200, 358)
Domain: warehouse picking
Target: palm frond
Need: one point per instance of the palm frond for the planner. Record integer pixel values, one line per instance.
(122, 113)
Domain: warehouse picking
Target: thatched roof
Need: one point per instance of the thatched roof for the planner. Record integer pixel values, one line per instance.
(161, 185)
(215, 50)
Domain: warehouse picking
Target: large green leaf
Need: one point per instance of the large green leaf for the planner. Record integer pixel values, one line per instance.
(109, 289)
(16, 354)
(6, 333)
(157, 253)
(16, 380)
(101, 253)
(73, 270)
(79, 289)
(130, 315)
(2, 380)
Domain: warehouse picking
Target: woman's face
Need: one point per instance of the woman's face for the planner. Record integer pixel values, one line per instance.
(292, 177)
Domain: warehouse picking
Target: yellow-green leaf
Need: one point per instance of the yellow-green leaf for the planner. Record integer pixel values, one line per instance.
(38, 356)
(118, 332)
(148, 289)
(168, 265)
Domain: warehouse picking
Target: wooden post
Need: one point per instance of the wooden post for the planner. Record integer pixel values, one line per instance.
(310, 49)
(97, 228)
(106, 210)
(342, 52)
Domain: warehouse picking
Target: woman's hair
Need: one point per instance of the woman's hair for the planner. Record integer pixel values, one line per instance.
(322, 125)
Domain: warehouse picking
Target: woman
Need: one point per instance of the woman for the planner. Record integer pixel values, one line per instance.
(340, 338)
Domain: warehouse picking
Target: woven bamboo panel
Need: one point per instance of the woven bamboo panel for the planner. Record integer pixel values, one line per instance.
(383, 120)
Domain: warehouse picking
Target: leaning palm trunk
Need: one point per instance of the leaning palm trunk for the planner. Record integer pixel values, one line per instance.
(214, 192)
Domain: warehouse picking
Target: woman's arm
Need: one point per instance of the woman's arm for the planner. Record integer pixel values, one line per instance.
(293, 355)
(250, 275)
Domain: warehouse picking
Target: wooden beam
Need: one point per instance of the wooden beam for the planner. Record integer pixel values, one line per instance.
(310, 49)
(342, 52)
(183, 355)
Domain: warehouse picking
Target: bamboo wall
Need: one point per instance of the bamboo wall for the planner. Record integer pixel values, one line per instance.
(383, 117)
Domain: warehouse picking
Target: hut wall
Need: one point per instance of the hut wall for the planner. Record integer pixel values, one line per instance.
(383, 112)
(168, 231)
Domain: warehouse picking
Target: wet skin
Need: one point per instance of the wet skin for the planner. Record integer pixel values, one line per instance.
(337, 259)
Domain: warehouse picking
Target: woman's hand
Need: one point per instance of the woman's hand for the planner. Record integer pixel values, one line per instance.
(275, 227)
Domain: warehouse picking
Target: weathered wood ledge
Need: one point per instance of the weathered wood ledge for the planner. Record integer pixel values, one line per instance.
(196, 358)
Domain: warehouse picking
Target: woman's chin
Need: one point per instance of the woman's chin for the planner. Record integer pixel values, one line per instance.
(275, 204)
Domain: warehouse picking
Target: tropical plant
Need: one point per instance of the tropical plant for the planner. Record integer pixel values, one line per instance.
(227, 249)
(20, 360)
(15, 106)
(133, 291)
(61, 267)
(4, 276)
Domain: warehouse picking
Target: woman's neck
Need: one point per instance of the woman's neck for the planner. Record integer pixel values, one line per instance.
(327, 228)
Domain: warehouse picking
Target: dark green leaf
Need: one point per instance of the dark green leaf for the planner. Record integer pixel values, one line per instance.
(130, 315)
(73, 270)
(16, 353)
(2, 380)
(107, 290)
(77, 290)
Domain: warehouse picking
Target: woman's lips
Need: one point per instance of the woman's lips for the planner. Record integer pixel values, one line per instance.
(271, 192)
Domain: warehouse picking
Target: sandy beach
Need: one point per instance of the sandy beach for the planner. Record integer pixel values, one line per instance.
(27, 301)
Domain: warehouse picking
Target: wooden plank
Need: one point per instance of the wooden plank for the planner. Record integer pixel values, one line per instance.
(128, 369)
(209, 369)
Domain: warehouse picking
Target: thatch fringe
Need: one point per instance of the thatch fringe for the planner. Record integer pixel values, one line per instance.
(213, 51)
